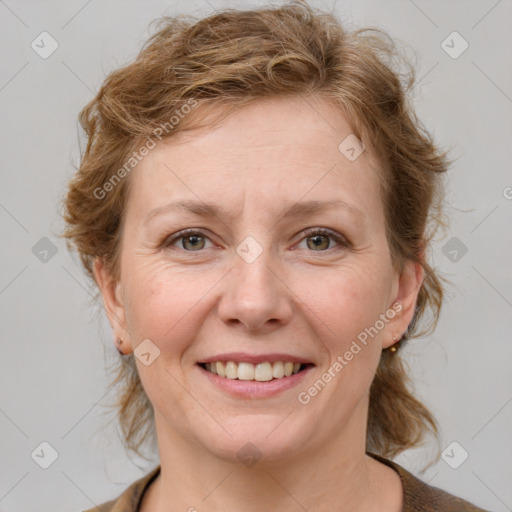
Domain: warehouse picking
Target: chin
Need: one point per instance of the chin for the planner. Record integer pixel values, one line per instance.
(267, 439)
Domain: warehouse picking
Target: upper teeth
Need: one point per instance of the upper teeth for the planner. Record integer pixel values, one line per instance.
(247, 371)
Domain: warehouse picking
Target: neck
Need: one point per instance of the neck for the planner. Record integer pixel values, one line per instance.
(328, 475)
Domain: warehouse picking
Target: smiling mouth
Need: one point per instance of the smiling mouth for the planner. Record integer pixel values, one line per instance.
(261, 372)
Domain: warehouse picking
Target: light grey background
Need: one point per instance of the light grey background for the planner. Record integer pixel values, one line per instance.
(55, 344)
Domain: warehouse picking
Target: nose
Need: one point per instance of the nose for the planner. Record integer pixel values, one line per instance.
(255, 296)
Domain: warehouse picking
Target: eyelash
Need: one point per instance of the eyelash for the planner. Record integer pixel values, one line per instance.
(341, 241)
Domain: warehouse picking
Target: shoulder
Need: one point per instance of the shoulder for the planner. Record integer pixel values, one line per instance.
(130, 499)
(421, 497)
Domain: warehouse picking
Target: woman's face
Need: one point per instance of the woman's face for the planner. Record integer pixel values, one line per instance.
(287, 261)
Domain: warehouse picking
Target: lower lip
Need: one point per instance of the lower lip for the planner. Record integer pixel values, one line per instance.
(254, 389)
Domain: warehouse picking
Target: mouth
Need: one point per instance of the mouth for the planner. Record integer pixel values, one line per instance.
(249, 376)
(264, 371)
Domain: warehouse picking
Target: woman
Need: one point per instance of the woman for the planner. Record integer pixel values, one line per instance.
(254, 204)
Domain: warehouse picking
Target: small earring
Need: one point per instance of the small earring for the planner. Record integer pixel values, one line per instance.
(119, 341)
(394, 348)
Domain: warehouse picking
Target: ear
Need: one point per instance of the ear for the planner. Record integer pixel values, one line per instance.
(111, 292)
(407, 287)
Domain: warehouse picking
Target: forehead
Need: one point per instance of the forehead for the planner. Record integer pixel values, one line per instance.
(273, 150)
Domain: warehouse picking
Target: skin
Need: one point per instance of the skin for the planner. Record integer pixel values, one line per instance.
(294, 298)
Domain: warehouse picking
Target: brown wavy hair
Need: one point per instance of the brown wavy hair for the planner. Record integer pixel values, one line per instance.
(234, 58)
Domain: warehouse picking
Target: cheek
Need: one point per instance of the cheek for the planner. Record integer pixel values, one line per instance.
(341, 308)
(164, 302)
(346, 302)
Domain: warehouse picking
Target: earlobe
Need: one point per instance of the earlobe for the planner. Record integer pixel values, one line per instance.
(112, 299)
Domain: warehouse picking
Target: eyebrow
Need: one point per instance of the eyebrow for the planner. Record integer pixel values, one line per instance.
(202, 209)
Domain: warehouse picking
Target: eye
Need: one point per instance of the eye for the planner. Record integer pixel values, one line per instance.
(191, 240)
(318, 239)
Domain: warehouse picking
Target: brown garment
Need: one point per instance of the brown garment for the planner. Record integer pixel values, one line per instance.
(418, 496)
